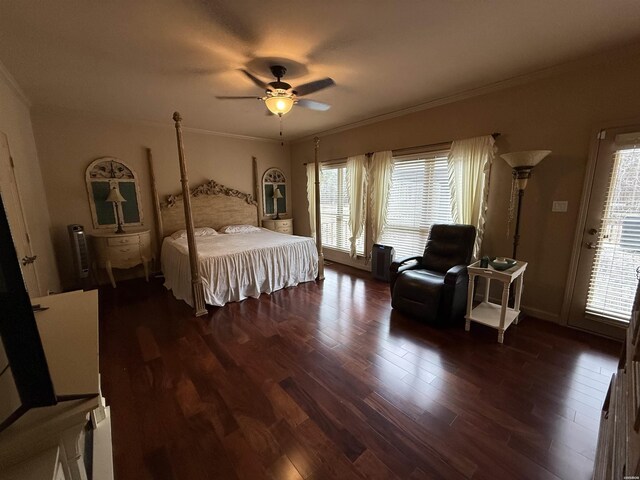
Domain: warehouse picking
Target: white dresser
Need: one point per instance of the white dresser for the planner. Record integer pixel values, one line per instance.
(122, 250)
(282, 225)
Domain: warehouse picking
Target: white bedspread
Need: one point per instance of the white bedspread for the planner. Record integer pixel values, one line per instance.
(234, 267)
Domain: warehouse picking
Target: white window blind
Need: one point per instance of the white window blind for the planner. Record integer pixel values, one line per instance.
(420, 196)
(334, 209)
(613, 276)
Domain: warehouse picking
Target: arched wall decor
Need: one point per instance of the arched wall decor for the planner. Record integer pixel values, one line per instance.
(274, 178)
(101, 176)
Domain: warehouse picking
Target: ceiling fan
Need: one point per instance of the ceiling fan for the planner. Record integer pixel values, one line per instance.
(280, 97)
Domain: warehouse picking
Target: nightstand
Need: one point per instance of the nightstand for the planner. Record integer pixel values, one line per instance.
(282, 225)
(122, 250)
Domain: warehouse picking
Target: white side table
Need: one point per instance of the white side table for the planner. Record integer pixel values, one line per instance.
(488, 313)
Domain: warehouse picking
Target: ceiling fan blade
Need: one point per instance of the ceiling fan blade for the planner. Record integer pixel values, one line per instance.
(307, 88)
(223, 97)
(313, 105)
(256, 80)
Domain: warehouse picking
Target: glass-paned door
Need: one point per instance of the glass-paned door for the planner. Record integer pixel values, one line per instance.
(610, 255)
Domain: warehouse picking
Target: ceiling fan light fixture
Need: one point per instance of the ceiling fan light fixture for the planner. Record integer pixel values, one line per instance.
(279, 105)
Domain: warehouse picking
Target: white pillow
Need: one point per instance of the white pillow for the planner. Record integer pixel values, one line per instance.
(197, 232)
(239, 229)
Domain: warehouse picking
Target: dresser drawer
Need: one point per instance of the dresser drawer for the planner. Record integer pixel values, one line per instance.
(128, 240)
(123, 255)
(145, 240)
(283, 225)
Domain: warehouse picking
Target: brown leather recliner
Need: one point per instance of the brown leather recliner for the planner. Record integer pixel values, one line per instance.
(434, 286)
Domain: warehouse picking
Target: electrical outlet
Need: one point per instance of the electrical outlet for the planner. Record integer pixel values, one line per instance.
(560, 206)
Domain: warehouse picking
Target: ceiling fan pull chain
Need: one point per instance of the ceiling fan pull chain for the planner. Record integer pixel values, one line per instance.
(281, 137)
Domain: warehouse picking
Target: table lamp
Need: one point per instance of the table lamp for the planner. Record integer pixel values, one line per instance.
(116, 198)
(276, 196)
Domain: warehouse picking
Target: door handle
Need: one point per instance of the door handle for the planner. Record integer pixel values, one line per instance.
(590, 245)
(27, 260)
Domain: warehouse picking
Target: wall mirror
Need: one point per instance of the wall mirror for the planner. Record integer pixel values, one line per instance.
(103, 175)
(274, 193)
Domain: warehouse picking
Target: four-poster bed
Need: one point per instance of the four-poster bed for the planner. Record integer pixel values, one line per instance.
(201, 267)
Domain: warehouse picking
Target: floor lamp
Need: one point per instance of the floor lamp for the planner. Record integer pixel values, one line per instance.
(522, 163)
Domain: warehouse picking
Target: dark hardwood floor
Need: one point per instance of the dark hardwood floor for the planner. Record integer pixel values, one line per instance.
(326, 381)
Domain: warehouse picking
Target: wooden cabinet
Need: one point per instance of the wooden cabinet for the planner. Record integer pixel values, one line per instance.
(283, 225)
(122, 250)
(618, 450)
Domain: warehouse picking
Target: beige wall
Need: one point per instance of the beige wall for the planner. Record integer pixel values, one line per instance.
(69, 141)
(559, 113)
(15, 122)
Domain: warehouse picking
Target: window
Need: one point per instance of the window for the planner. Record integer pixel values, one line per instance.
(419, 197)
(334, 209)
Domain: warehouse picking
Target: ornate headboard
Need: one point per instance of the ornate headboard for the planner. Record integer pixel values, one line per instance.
(212, 205)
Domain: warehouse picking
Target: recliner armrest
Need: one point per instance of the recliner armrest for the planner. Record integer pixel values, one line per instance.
(455, 274)
(396, 268)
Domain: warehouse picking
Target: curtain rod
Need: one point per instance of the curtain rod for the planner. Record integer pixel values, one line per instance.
(401, 151)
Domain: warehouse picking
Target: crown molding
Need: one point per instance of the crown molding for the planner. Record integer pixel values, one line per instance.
(517, 80)
(436, 102)
(13, 84)
(51, 108)
(230, 135)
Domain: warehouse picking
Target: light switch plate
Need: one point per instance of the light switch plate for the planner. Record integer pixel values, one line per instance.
(560, 206)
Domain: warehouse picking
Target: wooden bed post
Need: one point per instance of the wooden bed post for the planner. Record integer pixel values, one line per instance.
(255, 186)
(156, 204)
(318, 219)
(196, 282)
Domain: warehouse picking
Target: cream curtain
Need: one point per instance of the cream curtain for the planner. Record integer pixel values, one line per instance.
(469, 174)
(356, 189)
(311, 197)
(380, 180)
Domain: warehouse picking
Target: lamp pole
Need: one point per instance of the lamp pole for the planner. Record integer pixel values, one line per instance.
(516, 235)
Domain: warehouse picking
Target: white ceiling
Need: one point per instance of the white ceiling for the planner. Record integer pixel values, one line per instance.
(143, 59)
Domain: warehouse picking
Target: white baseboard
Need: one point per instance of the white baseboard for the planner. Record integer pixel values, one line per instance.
(541, 314)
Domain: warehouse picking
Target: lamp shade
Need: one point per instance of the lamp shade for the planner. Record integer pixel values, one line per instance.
(277, 193)
(279, 105)
(526, 159)
(115, 196)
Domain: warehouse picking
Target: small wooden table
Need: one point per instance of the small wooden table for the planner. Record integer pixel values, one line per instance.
(488, 313)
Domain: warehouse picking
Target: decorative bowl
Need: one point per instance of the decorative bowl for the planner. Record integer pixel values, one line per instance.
(500, 264)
